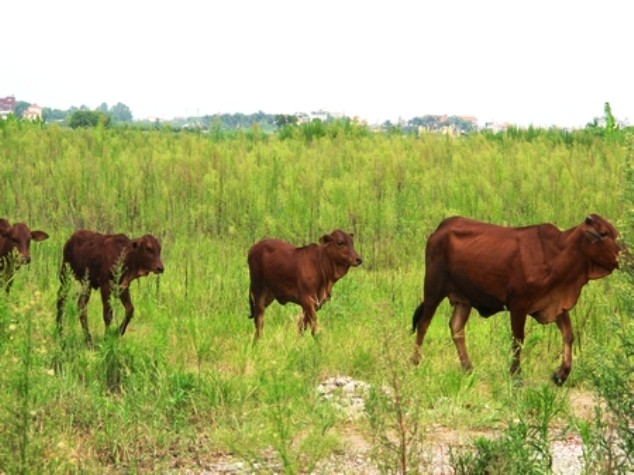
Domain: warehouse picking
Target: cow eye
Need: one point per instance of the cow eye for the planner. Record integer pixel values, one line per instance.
(148, 249)
(340, 243)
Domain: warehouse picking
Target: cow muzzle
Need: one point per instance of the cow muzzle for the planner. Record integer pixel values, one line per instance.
(358, 261)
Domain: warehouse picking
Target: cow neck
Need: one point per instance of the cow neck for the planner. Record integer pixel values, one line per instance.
(5, 247)
(335, 271)
(570, 264)
(129, 272)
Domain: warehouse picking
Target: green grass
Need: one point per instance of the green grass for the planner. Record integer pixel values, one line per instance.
(186, 382)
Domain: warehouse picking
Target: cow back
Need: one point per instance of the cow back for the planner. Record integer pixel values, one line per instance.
(491, 266)
(275, 264)
(294, 273)
(93, 255)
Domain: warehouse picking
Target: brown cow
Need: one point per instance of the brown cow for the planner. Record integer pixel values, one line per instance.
(302, 275)
(96, 259)
(534, 270)
(15, 239)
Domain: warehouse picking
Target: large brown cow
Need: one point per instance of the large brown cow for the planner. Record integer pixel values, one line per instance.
(15, 243)
(534, 270)
(302, 275)
(96, 259)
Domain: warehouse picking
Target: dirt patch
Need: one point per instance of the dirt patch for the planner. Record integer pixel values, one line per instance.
(582, 404)
(347, 395)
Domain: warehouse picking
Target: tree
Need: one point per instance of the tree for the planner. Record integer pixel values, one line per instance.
(283, 120)
(53, 115)
(83, 118)
(120, 113)
(20, 107)
(102, 108)
(610, 122)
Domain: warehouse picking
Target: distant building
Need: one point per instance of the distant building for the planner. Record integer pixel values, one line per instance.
(33, 112)
(7, 105)
(496, 126)
(303, 117)
(319, 115)
(473, 120)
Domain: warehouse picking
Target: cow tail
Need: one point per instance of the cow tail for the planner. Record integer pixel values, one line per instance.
(416, 317)
(251, 305)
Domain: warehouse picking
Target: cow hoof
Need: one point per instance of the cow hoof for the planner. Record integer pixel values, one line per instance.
(415, 359)
(558, 380)
(468, 368)
(518, 382)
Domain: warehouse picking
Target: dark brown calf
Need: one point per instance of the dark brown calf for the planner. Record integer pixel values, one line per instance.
(15, 243)
(98, 259)
(302, 275)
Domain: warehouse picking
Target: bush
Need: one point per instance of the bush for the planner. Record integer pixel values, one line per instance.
(89, 119)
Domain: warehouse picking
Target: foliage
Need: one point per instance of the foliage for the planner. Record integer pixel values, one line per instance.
(393, 412)
(231, 122)
(609, 439)
(85, 118)
(54, 115)
(284, 120)
(439, 122)
(524, 446)
(606, 127)
(20, 107)
(186, 384)
(120, 113)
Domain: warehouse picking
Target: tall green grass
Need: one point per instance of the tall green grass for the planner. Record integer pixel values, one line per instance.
(185, 382)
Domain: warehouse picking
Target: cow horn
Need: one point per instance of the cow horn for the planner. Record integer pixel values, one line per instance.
(589, 219)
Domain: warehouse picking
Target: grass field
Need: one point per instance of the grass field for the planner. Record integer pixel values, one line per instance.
(186, 383)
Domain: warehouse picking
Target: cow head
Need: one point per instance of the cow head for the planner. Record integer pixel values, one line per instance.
(599, 245)
(144, 256)
(340, 247)
(17, 238)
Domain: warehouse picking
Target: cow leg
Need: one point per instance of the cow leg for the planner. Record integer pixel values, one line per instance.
(459, 318)
(309, 317)
(129, 310)
(107, 307)
(422, 318)
(565, 326)
(259, 302)
(302, 322)
(518, 321)
(62, 293)
(82, 304)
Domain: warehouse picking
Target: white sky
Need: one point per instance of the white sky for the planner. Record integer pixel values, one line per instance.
(539, 62)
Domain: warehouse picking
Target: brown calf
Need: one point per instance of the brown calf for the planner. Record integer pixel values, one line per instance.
(96, 258)
(15, 239)
(302, 275)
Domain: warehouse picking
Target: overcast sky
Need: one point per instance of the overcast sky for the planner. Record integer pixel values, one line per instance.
(526, 62)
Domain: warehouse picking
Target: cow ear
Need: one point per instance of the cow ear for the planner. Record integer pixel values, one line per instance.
(39, 236)
(325, 239)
